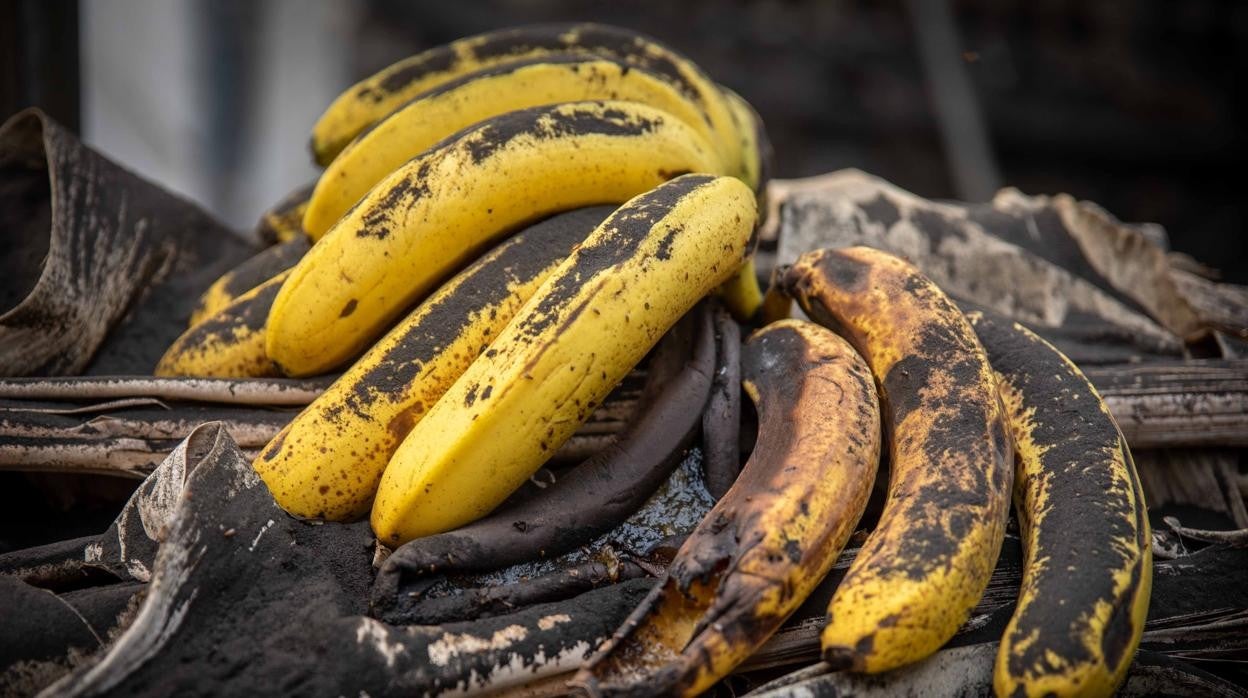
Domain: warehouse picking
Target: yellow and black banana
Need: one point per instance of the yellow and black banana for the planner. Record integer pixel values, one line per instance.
(438, 210)
(592, 320)
(327, 462)
(928, 561)
(284, 221)
(1088, 551)
(771, 539)
(461, 103)
(379, 95)
(228, 343)
(260, 268)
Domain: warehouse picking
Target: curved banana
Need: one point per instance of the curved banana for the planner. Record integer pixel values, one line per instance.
(246, 276)
(229, 343)
(753, 143)
(439, 209)
(1088, 566)
(326, 463)
(928, 561)
(581, 332)
(377, 96)
(284, 221)
(456, 105)
(769, 542)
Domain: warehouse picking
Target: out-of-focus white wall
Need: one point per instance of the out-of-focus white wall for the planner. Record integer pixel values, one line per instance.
(147, 98)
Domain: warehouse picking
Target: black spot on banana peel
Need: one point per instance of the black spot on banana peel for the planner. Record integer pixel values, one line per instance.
(586, 501)
(261, 267)
(767, 543)
(229, 343)
(1088, 565)
(327, 462)
(929, 560)
(721, 422)
(438, 210)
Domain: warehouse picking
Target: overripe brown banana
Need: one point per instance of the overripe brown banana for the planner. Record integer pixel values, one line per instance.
(1088, 566)
(582, 331)
(461, 103)
(775, 534)
(928, 561)
(229, 343)
(379, 95)
(434, 213)
(260, 268)
(326, 463)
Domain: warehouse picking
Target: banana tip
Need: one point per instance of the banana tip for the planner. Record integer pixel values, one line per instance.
(840, 658)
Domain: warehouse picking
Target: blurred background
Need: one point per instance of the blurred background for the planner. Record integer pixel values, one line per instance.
(1134, 105)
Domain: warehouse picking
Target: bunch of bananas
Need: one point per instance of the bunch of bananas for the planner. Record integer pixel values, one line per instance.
(507, 225)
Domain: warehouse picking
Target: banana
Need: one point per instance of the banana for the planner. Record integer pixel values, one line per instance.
(1088, 555)
(581, 332)
(326, 463)
(928, 561)
(753, 144)
(284, 221)
(229, 343)
(375, 97)
(765, 546)
(456, 105)
(246, 276)
(431, 215)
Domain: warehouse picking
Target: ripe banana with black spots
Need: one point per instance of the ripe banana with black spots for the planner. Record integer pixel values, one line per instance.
(259, 268)
(1088, 553)
(326, 463)
(434, 213)
(456, 105)
(773, 537)
(928, 561)
(581, 332)
(379, 95)
(753, 143)
(228, 343)
(284, 221)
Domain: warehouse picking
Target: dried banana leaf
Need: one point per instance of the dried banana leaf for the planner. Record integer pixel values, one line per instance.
(1098, 288)
(101, 267)
(245, 599)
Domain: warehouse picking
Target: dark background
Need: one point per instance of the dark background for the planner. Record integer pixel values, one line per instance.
(1134, 105)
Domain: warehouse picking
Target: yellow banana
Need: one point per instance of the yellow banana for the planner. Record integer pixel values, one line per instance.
(753, 144)
(431, 215)
(284, 221)
(229, 343)
(246, 276)
(456, 105)
(375, 97)
(928, 561)
(771, 539)
(326, 463)
(581, 332)
(1088, 566)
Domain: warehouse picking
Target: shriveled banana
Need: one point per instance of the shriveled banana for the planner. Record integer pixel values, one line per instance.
(581, 332)
(771, 539)
(327, 462)
(379, 95)
(1088, 553)
(928, 561)
(228, 343)
(437, 211)
(456, 105)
